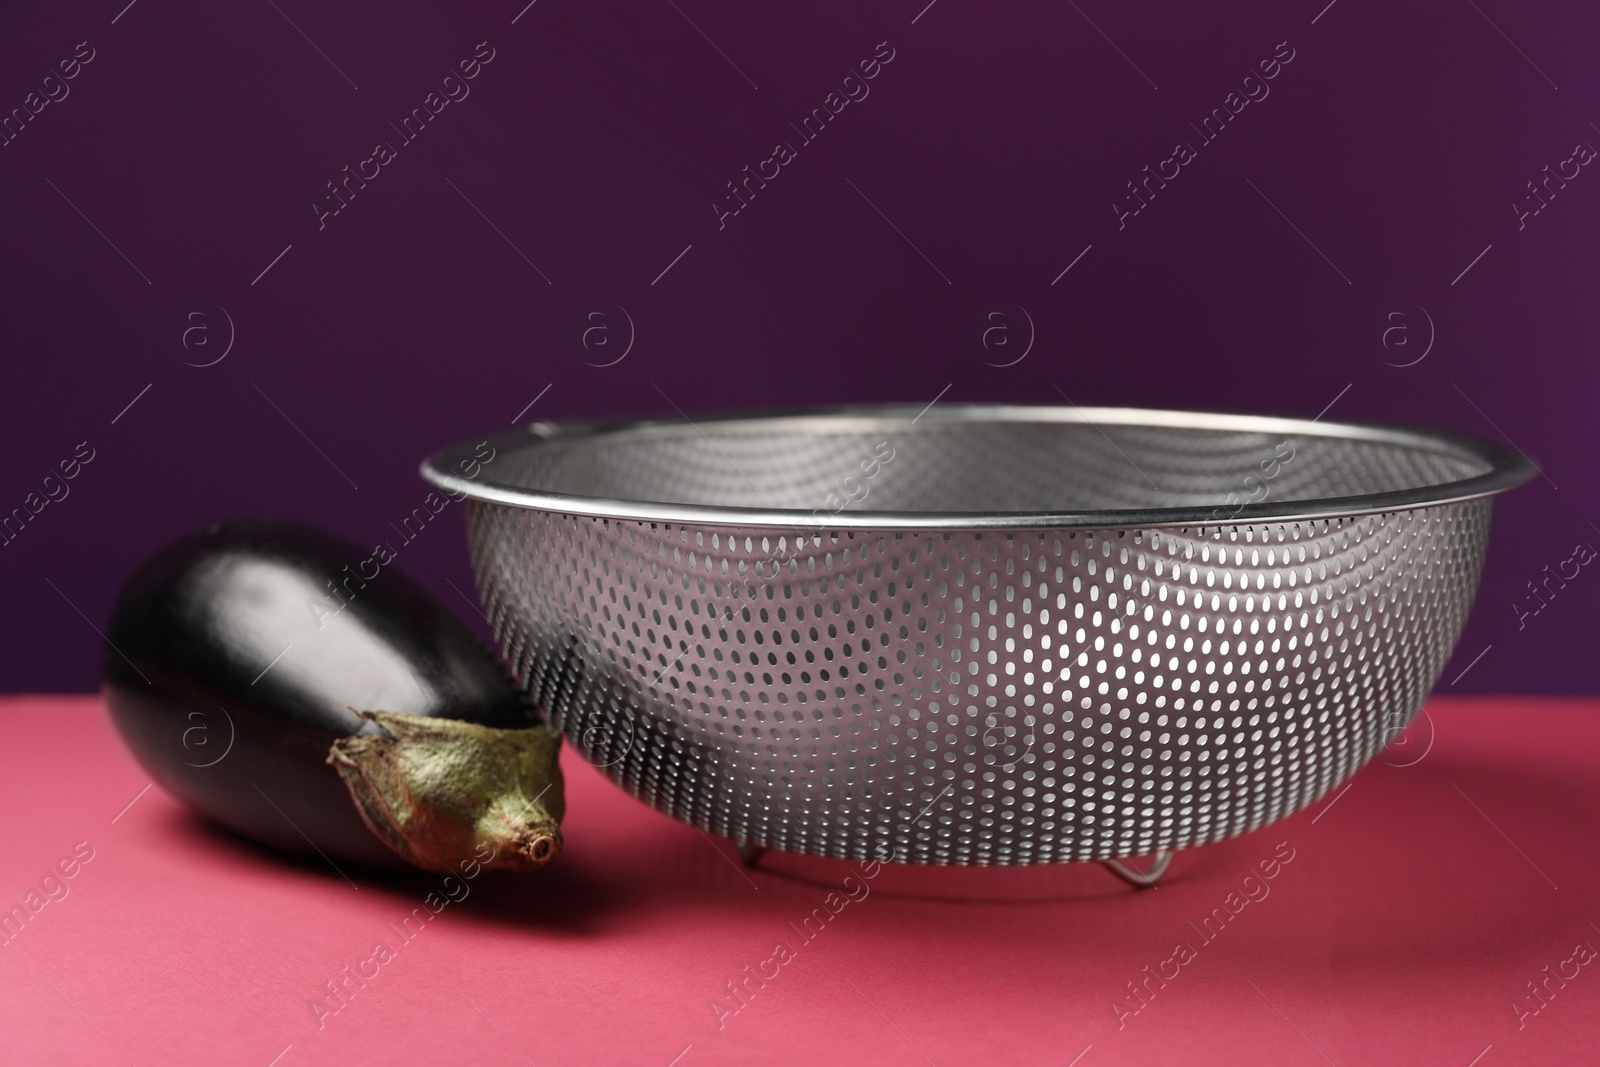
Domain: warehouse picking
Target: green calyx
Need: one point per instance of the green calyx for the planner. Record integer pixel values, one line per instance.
(437, 791)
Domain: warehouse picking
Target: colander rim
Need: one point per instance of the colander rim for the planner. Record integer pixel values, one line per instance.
(1508, 468)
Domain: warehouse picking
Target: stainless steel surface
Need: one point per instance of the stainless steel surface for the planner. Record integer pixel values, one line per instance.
(978, 635)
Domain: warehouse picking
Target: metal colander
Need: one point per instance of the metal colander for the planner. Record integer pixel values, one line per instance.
(978, 635)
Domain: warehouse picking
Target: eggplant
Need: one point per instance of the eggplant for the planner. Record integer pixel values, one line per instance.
(309, 696)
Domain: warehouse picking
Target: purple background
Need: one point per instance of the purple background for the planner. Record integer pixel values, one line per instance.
(597, 140)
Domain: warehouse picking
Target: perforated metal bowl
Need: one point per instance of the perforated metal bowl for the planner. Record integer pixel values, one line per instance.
(978, 635)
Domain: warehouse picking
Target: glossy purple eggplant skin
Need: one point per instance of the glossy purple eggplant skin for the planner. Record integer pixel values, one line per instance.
(235, 655)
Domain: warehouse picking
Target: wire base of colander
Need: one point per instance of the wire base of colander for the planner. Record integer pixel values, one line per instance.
(1139, 879)
(1144, 879)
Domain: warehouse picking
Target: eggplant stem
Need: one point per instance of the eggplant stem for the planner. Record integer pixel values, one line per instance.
(441, 792)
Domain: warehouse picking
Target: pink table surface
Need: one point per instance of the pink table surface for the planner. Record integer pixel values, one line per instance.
(1418, 903)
